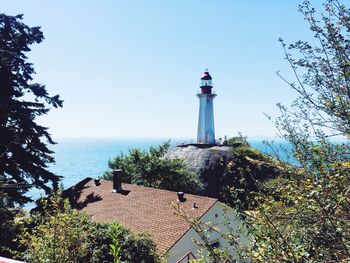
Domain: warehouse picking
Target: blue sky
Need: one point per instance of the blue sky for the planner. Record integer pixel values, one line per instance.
(131, 68)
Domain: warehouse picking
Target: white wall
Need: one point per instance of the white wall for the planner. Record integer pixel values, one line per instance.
(210, 129)
(201, 118)
(206, 129)
(215, 215)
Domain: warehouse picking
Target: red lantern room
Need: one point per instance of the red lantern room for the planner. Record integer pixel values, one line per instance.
(206, 83)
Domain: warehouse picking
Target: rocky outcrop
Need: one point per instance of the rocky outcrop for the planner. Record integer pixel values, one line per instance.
(201, 159)
(230, 173)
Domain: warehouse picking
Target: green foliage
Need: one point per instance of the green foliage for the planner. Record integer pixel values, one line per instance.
(115, 233)
(59, 233)
(304, 215)
(139, 248)
(246, 175)
(151, 168)
(321, 71)
(305, 218)
(237, 141)
(8, 230)
(235, 181)
(127, 246)
(24, 155)
(98, 244)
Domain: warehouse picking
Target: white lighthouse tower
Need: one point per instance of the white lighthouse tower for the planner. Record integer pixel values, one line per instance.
(206, 131)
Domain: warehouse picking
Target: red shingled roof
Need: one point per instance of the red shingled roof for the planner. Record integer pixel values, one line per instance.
(139, 208)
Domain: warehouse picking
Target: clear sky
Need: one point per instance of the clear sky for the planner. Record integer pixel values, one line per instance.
(131, 68)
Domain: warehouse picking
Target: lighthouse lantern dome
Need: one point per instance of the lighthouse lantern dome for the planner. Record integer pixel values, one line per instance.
(206, 83)
(206, 80)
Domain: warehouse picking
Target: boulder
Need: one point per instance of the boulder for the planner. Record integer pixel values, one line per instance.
(230, 173)
(201, 159)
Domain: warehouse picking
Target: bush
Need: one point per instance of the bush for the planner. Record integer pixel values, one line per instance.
(58, 233)
(306, 216)
(8, 230)
(236, 178)
(150, 168)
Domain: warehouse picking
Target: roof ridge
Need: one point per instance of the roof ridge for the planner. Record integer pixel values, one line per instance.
(162, 190)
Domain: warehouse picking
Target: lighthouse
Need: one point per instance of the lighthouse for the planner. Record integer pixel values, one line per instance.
(206, 131)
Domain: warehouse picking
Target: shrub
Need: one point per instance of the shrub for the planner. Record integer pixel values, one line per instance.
(58, 233)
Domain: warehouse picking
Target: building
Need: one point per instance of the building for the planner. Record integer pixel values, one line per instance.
(144, 209)
(7, 260)
(206, 129)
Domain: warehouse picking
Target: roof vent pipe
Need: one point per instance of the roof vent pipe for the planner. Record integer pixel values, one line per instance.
(181, 197)
(97, 181)
(117, 180)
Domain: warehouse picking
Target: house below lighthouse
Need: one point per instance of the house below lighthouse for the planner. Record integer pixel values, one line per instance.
(206, 129)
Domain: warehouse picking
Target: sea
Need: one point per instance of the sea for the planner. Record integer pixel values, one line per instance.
(76, 159)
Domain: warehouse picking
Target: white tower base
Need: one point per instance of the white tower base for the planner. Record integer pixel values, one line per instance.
(206, 131)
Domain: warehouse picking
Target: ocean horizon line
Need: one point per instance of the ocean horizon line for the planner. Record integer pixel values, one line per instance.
(258, 137)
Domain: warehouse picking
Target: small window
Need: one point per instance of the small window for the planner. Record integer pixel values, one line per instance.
(215, 244)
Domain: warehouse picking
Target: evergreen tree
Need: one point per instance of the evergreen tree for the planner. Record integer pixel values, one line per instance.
(24, 154)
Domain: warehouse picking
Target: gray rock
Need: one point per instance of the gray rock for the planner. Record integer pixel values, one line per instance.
(201, 159)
